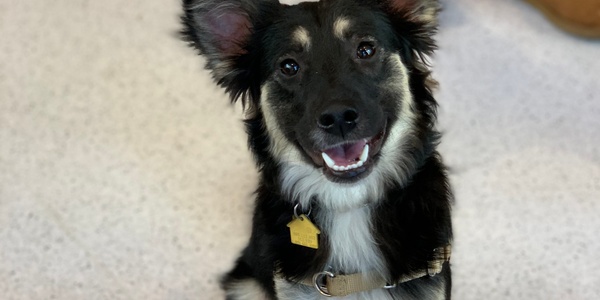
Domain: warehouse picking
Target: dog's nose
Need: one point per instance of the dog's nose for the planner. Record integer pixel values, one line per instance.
(338, 120)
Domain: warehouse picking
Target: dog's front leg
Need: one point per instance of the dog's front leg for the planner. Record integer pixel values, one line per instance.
(243, 282)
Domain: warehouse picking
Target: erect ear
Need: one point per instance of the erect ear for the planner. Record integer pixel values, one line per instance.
(422, 11)
(415, 22)
(222, 30)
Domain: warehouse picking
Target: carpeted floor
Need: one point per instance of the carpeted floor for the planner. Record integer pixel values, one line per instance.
(124, 172)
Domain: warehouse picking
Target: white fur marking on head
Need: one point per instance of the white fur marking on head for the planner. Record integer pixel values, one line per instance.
(340, 26)
(302, 37)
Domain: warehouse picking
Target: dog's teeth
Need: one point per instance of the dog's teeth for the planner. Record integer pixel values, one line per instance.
(330, 163)
(365, 154)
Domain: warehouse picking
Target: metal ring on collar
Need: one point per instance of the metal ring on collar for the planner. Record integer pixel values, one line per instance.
(388, 286)
(320, 284)
(296, 210)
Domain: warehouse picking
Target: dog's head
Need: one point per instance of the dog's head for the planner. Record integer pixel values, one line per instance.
(338, 86)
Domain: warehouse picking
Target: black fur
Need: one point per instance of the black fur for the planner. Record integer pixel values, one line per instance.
(413, 217)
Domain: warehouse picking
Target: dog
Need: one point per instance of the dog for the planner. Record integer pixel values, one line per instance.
(353, 199)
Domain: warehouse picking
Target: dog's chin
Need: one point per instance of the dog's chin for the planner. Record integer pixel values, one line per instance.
(351, 161)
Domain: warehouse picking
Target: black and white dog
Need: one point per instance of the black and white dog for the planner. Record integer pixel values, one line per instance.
(353, 200)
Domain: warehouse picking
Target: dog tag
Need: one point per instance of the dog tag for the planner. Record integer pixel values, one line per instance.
(304, 232)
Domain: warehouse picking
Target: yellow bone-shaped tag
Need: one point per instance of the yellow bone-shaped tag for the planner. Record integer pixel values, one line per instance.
(304, 232)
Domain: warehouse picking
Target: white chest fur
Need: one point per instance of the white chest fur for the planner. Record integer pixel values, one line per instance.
(352, 250)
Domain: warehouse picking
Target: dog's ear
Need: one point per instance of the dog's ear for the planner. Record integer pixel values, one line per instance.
(422, 11)
(415, 20)
(223, 30)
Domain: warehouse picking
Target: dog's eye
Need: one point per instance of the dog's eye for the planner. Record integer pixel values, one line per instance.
(365, 50)
(289, 67)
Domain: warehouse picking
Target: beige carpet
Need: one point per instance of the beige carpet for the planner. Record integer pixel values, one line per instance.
(124, 172)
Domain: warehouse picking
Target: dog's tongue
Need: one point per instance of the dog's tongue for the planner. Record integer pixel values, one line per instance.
(346, 154)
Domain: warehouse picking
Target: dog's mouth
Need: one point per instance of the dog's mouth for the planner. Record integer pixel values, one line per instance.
(349, 161)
